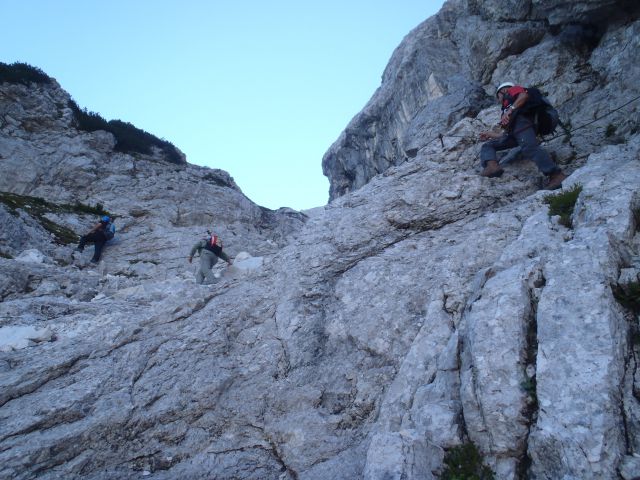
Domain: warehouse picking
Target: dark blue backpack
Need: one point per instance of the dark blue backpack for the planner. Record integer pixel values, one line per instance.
(109, 230)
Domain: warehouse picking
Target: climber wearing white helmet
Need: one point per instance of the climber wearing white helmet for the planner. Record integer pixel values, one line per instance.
(518, 130)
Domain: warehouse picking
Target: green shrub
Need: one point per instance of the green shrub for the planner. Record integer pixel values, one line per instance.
(129, 139)
(464, 462)
(82, 208)
(86, 120)
(563, 204)
(38, 208)
(39, 205)
(22, 73)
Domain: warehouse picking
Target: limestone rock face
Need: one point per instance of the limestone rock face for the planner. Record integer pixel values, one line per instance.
(167, 207)
(424, 309)
(447, 68)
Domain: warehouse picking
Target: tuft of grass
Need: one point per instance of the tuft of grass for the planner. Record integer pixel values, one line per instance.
(22, 73)
(38, 207)
(562, 204)
(464, 462)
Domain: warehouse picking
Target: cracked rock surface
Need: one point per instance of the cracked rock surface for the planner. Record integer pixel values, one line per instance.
(424, 308)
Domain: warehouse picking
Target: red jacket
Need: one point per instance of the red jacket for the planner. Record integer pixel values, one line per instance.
(511, 95)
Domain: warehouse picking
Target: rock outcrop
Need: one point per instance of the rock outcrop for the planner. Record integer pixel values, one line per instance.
(448, 67)
(424, 309)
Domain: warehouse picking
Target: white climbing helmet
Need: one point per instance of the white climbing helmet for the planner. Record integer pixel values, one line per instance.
(503, 85)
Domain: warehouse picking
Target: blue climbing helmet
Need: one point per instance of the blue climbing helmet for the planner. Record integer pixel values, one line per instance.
(106, 219)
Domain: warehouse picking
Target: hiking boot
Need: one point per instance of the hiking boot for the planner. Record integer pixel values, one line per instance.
(492, 169)
(80, 249)
(555, 180)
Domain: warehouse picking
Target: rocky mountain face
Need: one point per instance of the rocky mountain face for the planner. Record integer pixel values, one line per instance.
(578, 53)
(424, 315)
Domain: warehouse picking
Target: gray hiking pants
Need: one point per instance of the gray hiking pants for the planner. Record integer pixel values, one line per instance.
(522, 134)
(207, 261)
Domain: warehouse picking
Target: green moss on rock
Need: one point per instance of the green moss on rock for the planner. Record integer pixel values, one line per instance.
(464, 462)
(38, 208)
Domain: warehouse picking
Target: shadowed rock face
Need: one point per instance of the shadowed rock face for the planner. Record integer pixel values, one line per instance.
(425, 308)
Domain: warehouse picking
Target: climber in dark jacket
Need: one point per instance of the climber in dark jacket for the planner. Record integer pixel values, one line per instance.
(98, 235)
(518, 130)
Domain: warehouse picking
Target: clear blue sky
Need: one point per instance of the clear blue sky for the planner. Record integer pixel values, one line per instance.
(258, 88)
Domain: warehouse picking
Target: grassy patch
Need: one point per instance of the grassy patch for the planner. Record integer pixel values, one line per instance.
(22, 73)
(38, 208)
(563, 204)
(129, 138)
(82, 208)
(464, 462)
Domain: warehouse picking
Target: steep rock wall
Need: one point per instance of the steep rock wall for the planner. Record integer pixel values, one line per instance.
(427, 309)
(447, 68)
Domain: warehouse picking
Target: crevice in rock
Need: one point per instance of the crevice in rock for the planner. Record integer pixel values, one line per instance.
(67, 455)
(157, 320)
(149, 355)
(629, 392)
(274, 450)
(412, 228)
(284, 363)
(41, 380)
(629, 380)
(529, 384)
(461, 421)
(476, 292)
(67, 415)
